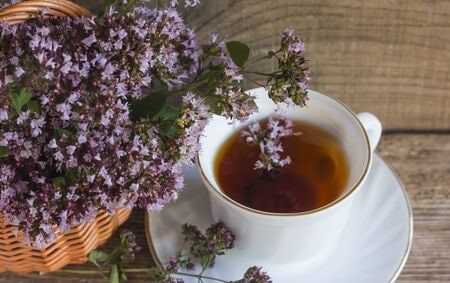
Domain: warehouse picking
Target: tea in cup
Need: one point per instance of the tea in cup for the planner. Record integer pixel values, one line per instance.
(300, 214)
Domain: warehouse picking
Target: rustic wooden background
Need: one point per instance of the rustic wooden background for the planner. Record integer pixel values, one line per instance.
(389, 57)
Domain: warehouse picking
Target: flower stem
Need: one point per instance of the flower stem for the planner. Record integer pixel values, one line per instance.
(255, 82)
(273, 53)
(140, 270)
(259, 73)
(200, 276)
(259, 59)
(189, 87)
(136, 270)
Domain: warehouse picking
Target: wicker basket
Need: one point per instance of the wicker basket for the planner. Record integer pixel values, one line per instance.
(74, 246)
(28, 9)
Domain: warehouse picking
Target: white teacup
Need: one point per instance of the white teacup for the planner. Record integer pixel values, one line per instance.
(291, 237)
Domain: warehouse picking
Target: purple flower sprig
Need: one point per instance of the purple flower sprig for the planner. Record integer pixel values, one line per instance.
(268, 139)
(255, 275)
(202, 248)
(290, 82)
(205, 248)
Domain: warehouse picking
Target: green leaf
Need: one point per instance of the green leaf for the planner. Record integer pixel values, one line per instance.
(168, 128)
(114, 276)
(18, 101)
(168, 112)
(210, 77)
(72, 175)
(150, 105)
(98, 257)
(4, 151)
(34, 106)
(59, 182)
(239, 52)
(123, 276)
(115, 258)
(215, 103)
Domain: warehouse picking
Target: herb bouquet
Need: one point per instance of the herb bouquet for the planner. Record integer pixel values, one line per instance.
(101, 113)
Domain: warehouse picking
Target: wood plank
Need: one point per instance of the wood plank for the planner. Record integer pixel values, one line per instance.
(422, 162)
(387, 57)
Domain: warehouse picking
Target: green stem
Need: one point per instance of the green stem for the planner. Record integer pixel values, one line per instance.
(140, 270)
(259, 73)
(189, 87)
(135, 270)
(267, 56)
(208, 263)
(255, 82)
(200, 70)
(100, 270)
(275, 55)
(259, 59)
(200, 276)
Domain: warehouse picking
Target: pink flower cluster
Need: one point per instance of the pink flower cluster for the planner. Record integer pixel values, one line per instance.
(204, 248)
(268, 139)
(232, 101)
(291, 83)
(69, 147)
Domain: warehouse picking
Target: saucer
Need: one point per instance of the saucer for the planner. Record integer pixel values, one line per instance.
(373, 247)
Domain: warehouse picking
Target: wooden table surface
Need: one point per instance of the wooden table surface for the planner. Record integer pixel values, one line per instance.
(423, 163)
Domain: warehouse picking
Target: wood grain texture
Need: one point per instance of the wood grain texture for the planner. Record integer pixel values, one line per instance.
(422, 162)
(388, 57)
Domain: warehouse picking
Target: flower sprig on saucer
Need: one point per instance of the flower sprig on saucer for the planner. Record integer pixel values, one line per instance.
(203, 248)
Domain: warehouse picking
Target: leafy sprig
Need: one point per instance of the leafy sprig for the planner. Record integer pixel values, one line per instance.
(110, 264)
(202, 249)
(19, 100)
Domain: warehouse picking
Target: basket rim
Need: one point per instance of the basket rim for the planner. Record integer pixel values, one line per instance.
(28, 9)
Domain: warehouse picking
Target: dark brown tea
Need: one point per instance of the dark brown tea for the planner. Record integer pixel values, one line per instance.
(316, 176)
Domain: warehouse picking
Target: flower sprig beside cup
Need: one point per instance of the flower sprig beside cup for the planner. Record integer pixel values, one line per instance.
(203, 249)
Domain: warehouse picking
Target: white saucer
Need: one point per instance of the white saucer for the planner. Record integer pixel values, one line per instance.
(373, 248)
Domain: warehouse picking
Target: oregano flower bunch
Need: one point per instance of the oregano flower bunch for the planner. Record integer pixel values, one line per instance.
(102, 113)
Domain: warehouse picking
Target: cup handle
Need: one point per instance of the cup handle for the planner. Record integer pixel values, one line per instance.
(372, 126)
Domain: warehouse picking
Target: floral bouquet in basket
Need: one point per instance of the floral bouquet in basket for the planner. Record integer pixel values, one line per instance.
(102, 113)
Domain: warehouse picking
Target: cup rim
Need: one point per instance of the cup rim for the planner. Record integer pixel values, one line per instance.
(232, 202)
